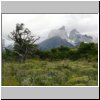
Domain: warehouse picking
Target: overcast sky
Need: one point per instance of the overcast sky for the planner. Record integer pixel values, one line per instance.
(41, 24)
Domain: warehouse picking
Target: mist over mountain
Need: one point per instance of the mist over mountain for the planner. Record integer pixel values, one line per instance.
(60, 37)
(61, 32)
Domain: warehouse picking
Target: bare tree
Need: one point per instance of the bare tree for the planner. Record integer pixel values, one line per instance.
(24, 42)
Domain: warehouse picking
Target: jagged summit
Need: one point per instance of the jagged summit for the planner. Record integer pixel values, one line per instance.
(61, 32)
(74, 34)
(75, 30)
(77, 37)
(58, 37)
(62, 28)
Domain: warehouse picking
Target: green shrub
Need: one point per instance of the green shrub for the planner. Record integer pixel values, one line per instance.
(10, 81)
(50, 73)
(78, 80)
(92, 83)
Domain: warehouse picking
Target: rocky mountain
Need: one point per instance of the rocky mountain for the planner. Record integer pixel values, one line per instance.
(58, 37)
(76, 37)
(61, 32)
(54, 42)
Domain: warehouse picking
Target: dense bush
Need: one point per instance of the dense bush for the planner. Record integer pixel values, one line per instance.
(8, 55)
(88, 49)
(85, 50)
(50, 73)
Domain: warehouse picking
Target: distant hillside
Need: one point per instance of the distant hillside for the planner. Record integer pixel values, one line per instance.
(54, 43)
(60, 37)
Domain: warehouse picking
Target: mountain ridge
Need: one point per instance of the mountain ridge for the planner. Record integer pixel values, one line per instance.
(59, 37)
(54, 43)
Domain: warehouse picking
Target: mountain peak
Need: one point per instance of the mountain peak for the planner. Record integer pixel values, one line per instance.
(61, 32)
(54, 42)
(77, 37)
(74, 37)
(62, 28)
(74, 31)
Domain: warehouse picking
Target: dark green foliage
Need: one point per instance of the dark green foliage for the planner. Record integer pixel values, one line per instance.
(8, 55)
(85, 50)
(73, 54)
(88, 49)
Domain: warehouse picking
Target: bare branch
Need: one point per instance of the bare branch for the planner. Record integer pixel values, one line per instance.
(36, 40)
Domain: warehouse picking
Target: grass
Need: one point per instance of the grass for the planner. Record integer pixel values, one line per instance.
(50, 73)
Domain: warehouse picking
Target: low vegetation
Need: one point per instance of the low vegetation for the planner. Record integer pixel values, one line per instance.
(50, 73)
(58, 67)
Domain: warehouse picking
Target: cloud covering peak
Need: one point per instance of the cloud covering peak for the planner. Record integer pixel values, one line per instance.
(42, 24)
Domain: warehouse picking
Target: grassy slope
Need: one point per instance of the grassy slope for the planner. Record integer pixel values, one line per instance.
(46, 73)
